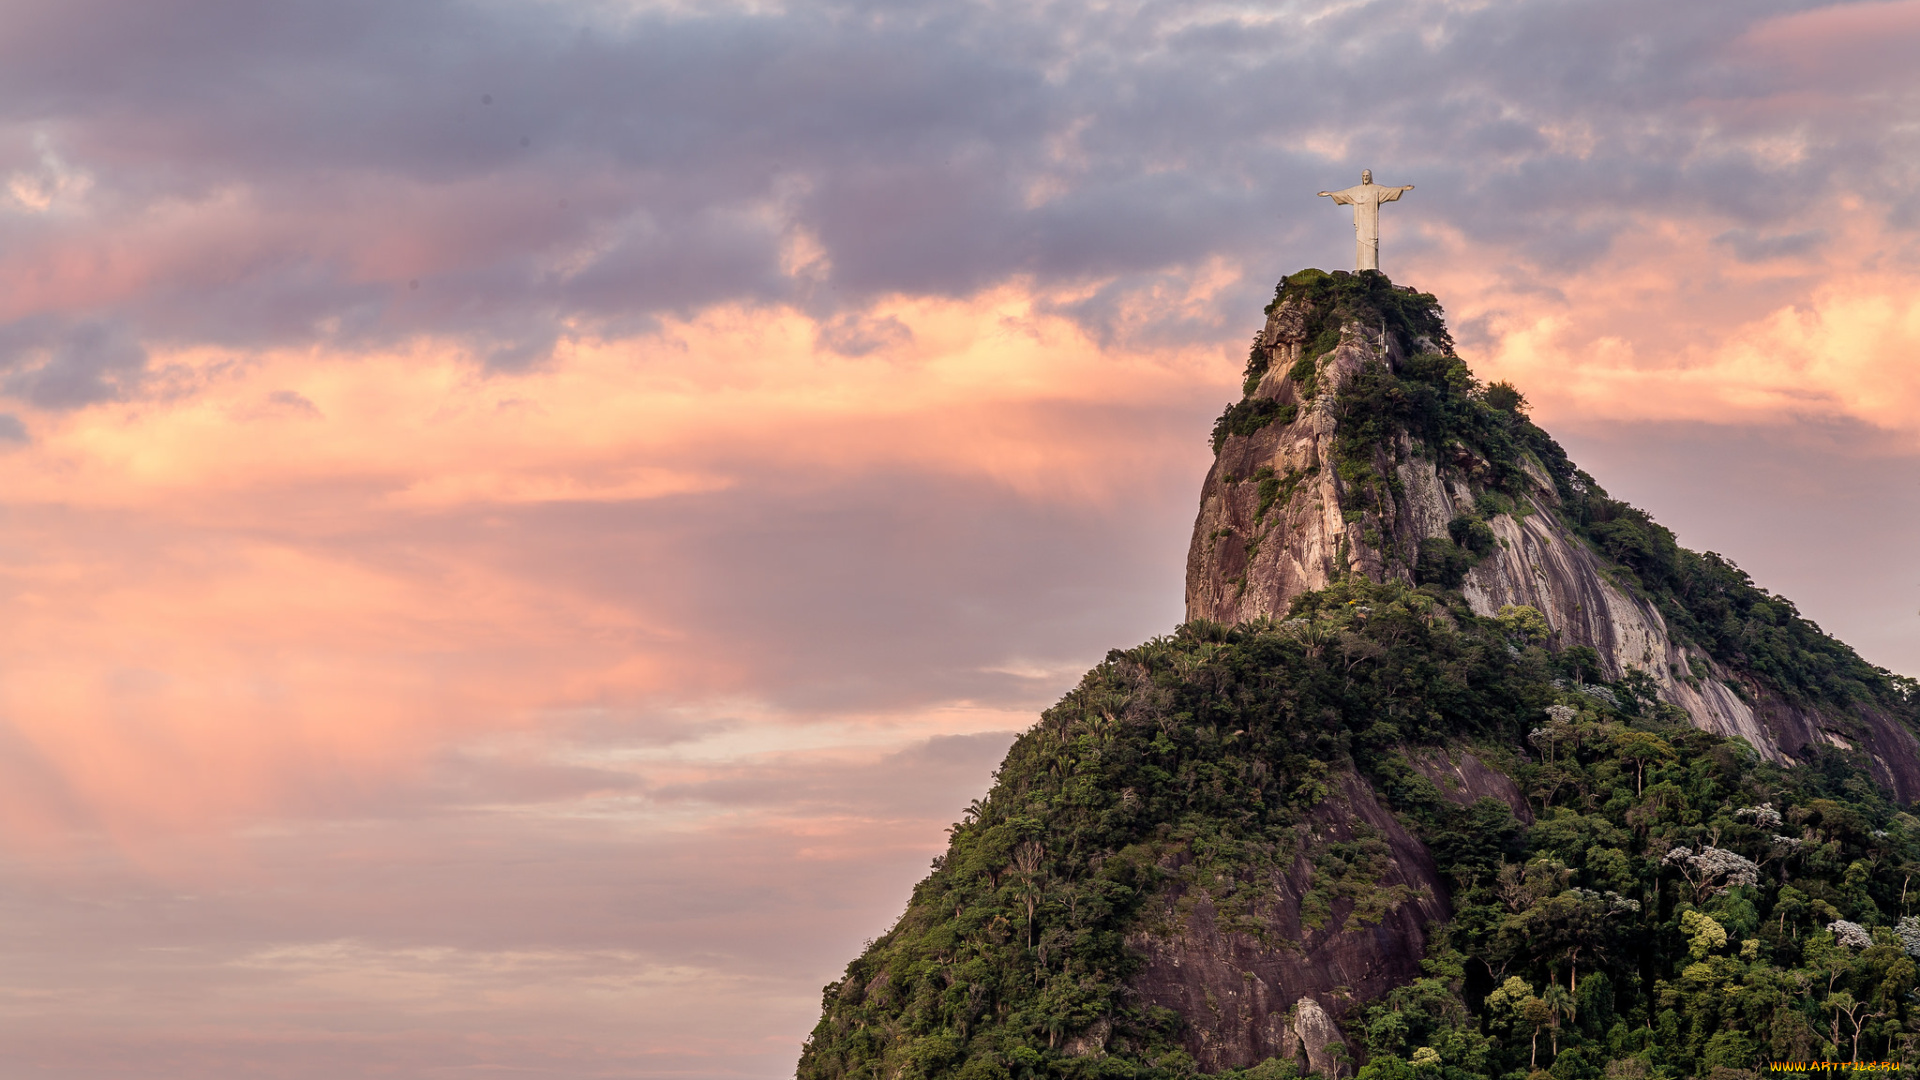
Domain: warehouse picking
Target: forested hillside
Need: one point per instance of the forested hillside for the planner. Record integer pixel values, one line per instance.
(1639, 898)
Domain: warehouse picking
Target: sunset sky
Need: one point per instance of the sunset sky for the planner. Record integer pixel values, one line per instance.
(522, 522)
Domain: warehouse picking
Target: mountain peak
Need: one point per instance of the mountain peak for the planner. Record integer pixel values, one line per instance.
(1459, 768)
(1364, 446)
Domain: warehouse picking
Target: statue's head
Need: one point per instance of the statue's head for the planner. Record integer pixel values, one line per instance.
(1366, 176)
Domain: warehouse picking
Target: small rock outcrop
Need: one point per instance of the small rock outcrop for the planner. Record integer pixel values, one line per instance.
(1317, 1036)
(1463, 778)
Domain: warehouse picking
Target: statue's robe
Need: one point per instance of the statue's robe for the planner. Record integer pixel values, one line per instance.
(1365, 200)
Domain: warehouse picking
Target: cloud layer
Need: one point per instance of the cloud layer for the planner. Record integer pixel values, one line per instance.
(505, 177)
(521, 523)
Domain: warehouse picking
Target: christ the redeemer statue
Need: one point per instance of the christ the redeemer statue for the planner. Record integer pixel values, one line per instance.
(1365, 198)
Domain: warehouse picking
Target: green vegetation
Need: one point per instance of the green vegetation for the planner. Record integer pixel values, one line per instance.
(1435, 401)
(1329, 302)
(1367, 298)
(1352, 872)
(1445, 561)
(1193, 760)
(1484, 432)
(1677, 908)
(1710, 602)
(1249, 416)
(1275, 490)
(1670, 906)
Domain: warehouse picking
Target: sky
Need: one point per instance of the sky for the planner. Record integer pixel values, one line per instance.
(521, 523)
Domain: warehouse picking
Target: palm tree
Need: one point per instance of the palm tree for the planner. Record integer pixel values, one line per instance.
(1559, 1003)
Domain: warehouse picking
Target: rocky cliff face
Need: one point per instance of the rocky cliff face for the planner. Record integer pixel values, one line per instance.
(1274, 981)
(1278, 519)
(1249, 995)
(1190, 852)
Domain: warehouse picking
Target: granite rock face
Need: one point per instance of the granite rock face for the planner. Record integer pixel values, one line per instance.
(1271, 979)
(1277, 520)
(1463, 778)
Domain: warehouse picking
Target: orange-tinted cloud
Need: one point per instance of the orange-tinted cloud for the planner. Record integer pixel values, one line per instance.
(512, 552)
(1674, 327)
(253, 646)
(248, 649)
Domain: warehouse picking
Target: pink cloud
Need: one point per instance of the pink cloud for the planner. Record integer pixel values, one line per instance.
(1853, 43)
(256, 649)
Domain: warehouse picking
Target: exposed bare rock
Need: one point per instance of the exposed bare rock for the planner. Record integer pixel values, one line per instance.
(1541, 564)
(1265, 939)
(1463, 778)
(1245, 562)
(1237, 987)
(1276, 520)
(1318, 1036)
(1892, 750)
(1091, 1042)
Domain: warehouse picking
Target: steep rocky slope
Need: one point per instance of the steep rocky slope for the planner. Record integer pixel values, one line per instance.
(1253, 552)
(1241, 993)
(1459, 768)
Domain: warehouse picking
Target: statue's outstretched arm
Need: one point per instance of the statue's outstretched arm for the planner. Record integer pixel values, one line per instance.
(1340, 197)
(1393, 194)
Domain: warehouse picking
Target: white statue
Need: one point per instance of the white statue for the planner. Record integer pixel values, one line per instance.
(1365, 198)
